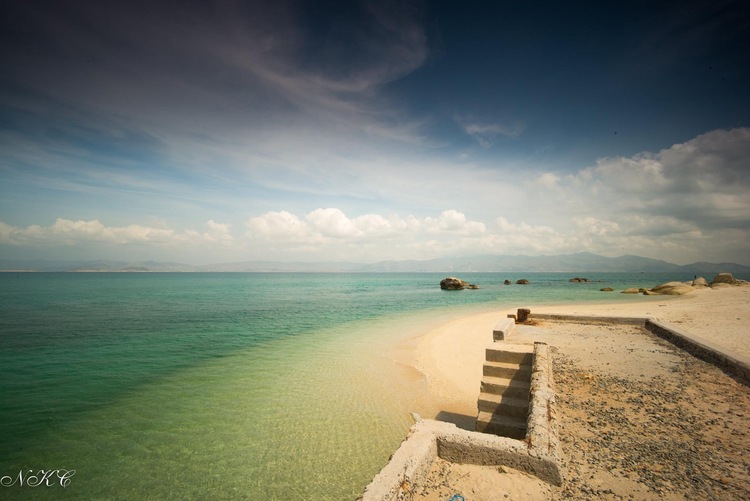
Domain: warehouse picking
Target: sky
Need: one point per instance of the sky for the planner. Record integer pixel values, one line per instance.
(223, 131)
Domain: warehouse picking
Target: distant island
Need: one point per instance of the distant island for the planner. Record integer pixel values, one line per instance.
(565, 263)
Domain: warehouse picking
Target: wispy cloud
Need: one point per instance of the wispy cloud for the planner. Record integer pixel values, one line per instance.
(80, 233)
(241, 65)
(486, 134)
(641, 204)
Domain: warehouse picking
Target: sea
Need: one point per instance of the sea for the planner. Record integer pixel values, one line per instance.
(227, 385)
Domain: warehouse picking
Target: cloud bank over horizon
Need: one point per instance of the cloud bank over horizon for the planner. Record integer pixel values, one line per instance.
(209, 132)
(679, 202)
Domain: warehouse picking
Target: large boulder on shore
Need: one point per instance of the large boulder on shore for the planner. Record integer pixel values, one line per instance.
(455, 284)
(723, 278)
(673, 288)
(700, 282)
(727, 279)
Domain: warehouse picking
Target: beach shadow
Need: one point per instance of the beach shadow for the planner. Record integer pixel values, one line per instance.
(461, 420)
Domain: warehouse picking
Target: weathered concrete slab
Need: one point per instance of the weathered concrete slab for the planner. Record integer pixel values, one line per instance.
(510, 353)
(507, 370)
(503, 329)
(409, 464)
(430, 439)
(733, 363)
(719, 356)
(542, 421)
(589, 318)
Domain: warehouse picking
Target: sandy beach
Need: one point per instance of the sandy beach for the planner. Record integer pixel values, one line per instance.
(620, 439)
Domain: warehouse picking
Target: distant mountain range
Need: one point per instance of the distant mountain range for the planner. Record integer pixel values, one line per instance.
(572, 263)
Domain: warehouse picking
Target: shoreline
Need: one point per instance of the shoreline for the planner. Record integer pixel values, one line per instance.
(638, 417)
(450, 356)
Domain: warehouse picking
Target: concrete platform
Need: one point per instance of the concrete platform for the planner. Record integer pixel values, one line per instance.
(731, 362)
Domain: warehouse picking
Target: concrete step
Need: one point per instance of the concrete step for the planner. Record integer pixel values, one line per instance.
(507, 406)
(505, 426)
(511, 353)
(503, 329)
(506, 386)
(507, 370)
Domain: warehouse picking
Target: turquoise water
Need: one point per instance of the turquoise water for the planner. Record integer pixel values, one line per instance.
(225, 386)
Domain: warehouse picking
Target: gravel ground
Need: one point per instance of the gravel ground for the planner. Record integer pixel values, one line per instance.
(637, 418)
(683, 433)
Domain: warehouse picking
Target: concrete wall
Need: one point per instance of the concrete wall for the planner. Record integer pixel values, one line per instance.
(730, 362)
(430, 439)
(539, 454)
(427, 440)
(719, 356)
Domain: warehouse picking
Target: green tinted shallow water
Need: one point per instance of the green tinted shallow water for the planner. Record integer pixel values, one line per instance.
(223, 386)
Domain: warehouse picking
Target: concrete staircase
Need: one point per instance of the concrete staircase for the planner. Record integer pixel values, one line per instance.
(505, 391)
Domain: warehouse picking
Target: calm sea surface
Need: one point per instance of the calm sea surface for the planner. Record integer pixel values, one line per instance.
(225, 386)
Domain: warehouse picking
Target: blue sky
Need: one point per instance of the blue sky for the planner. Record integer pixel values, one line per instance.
(207, 132)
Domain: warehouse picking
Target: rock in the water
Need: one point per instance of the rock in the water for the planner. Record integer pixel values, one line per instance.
(579, 280)
(606, 289)
(631, 290)
(452, 283)
(522, 281)
(455, 284)
(523, 314)
(673, 288)
(507, 282)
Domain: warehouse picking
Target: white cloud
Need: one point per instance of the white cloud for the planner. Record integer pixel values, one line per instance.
(373, 236)
(704, 179)
(548, 180)
(281, 226)
(520, 238)
(486, 133)
(378, 226)
(218, 233)
(453, 221)
(332, 223)
(322, 224)
(689, 202)
(83, 232)
(597, 227)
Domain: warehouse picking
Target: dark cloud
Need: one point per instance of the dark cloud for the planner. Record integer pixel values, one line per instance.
(218, 57)
(717, 159)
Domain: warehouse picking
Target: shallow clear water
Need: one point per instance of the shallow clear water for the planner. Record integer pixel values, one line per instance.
(225, 386)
